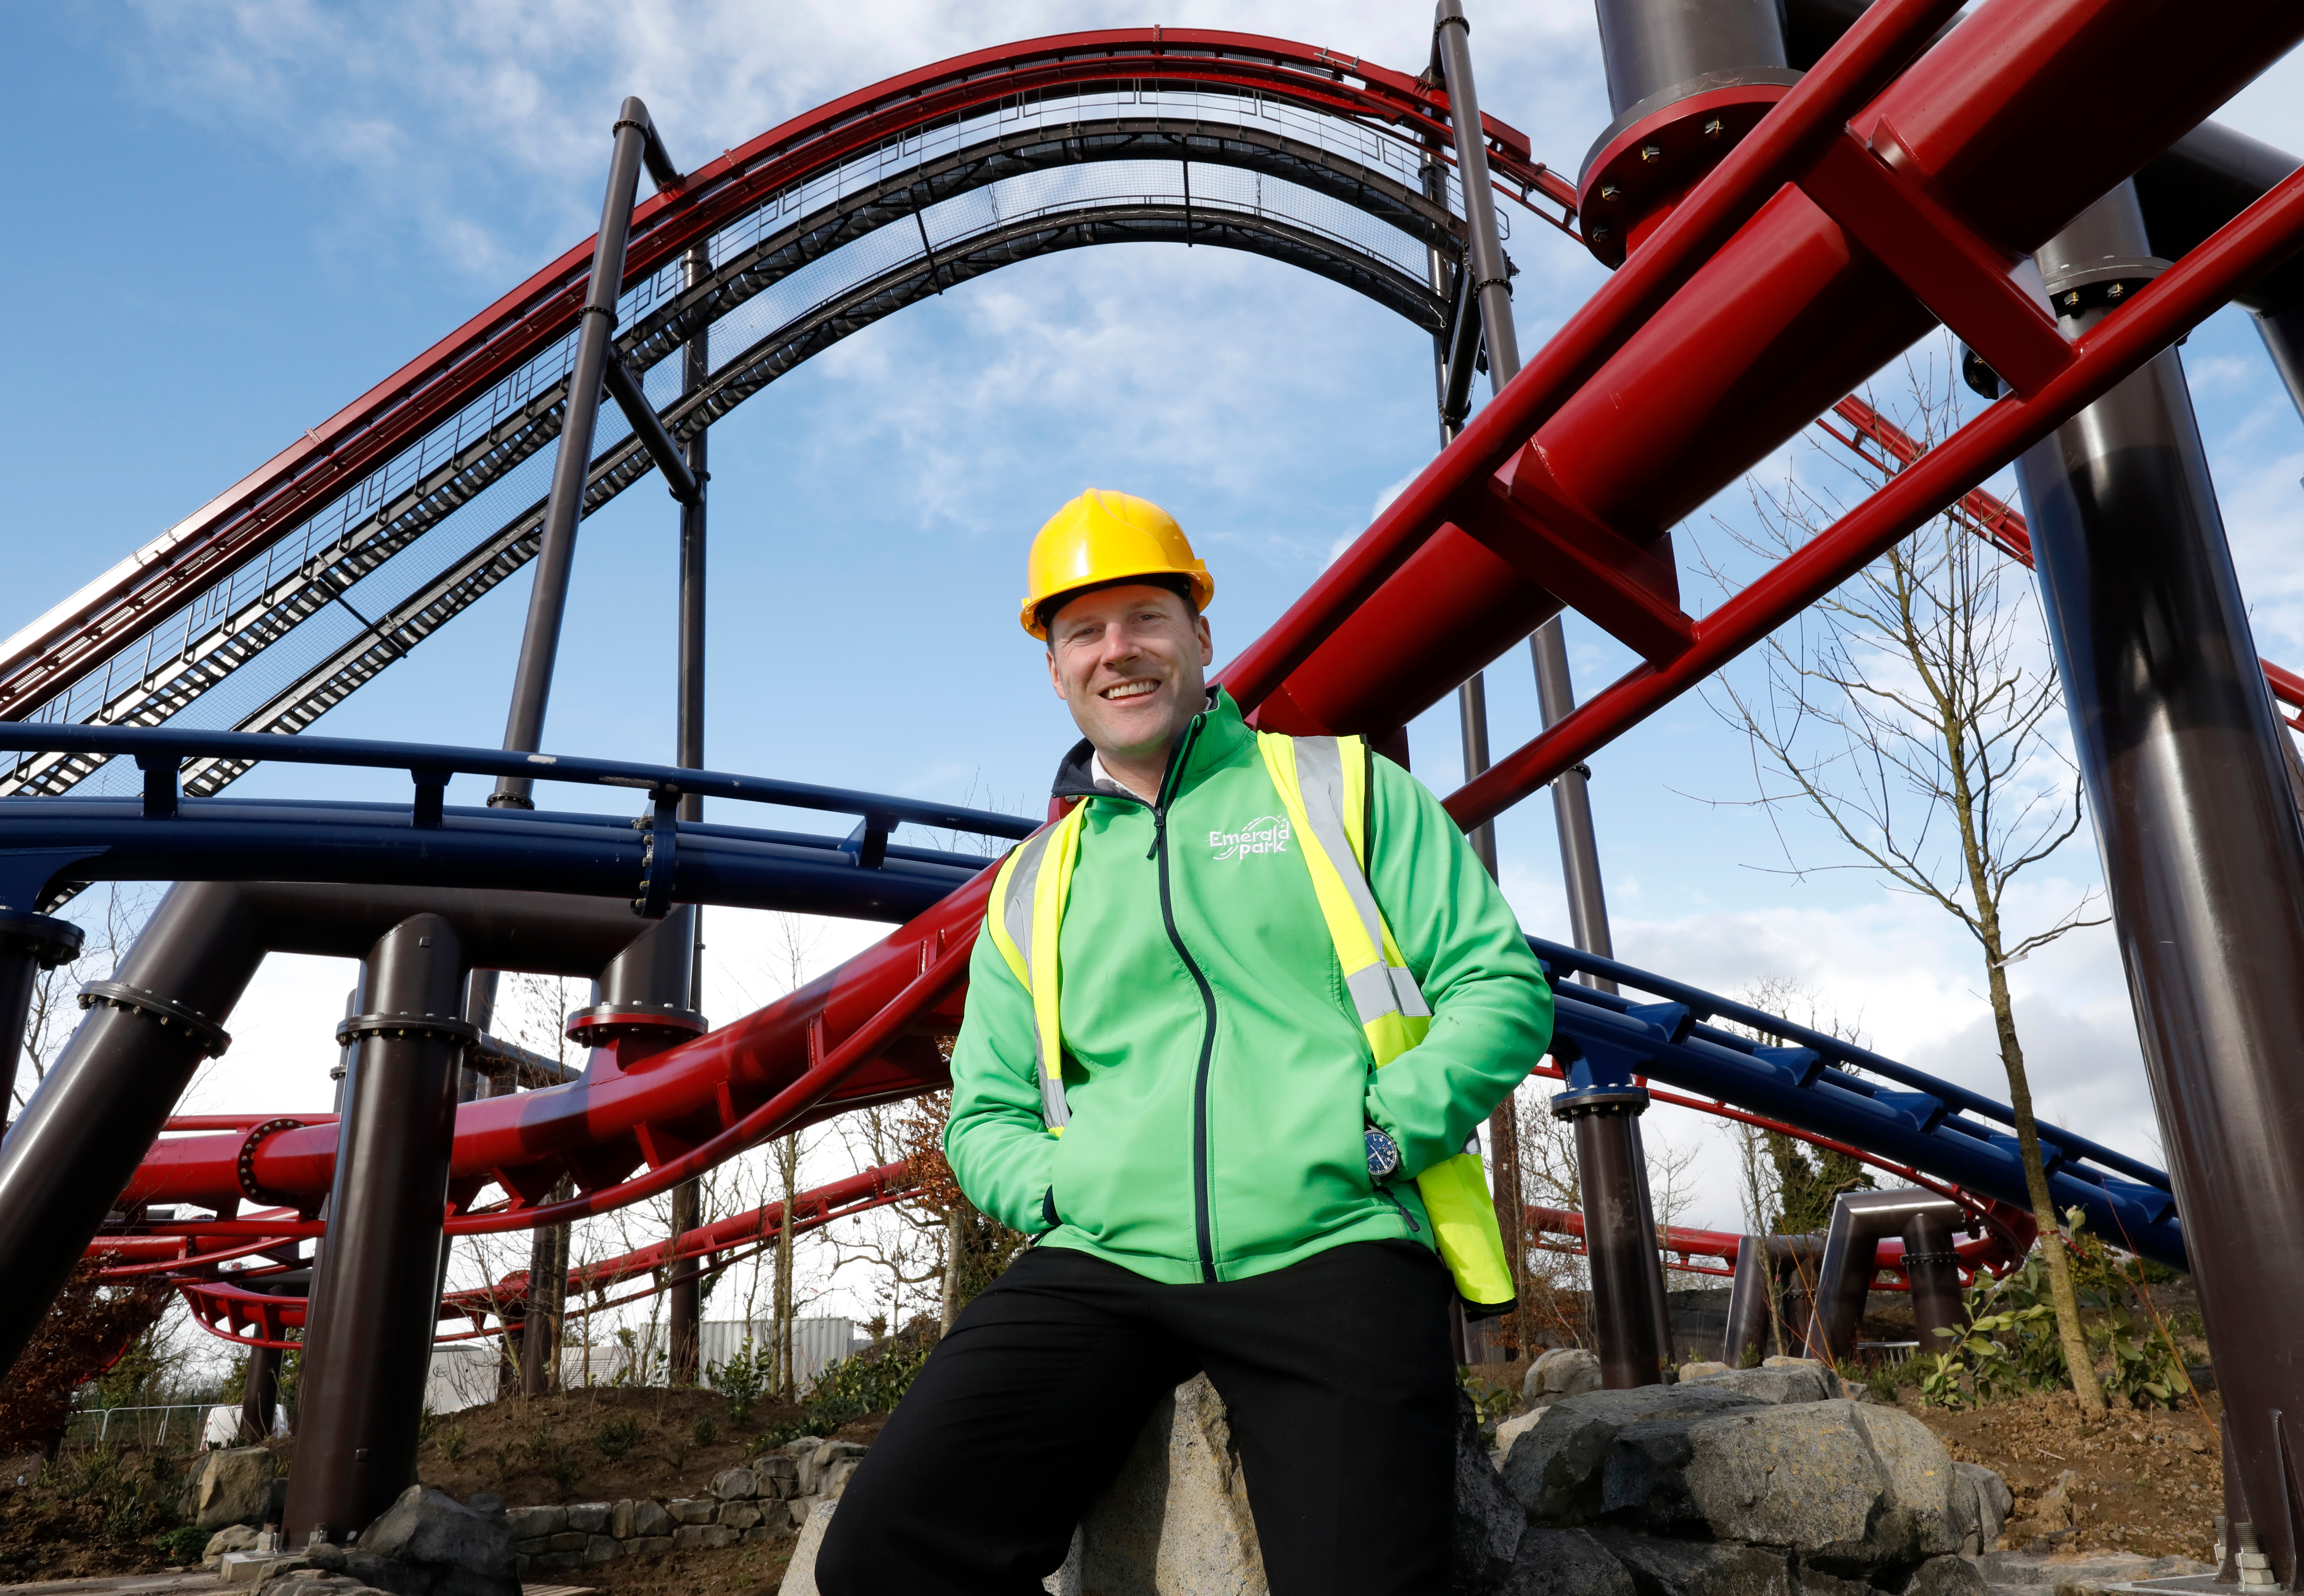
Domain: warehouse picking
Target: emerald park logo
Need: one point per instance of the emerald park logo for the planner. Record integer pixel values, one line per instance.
(1266, 833)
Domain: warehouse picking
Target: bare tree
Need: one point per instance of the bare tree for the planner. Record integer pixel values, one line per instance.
(55, 1008)
(1913, 710)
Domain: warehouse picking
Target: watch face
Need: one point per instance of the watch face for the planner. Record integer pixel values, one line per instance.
(1383, 1153)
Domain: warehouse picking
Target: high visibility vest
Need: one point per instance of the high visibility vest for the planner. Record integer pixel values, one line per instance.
(1323, 783)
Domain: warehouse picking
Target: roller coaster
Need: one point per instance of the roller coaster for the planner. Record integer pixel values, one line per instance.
(1789, 196)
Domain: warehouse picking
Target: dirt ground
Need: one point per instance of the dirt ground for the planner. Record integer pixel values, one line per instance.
(547, 1451)
(2145, 1480)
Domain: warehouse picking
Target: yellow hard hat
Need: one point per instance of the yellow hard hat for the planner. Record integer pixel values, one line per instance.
(1102, 537)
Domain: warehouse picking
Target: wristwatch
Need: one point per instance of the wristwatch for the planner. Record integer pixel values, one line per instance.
(1383, 1154)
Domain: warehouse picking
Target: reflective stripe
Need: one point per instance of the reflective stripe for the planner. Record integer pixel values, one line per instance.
(1019, 895)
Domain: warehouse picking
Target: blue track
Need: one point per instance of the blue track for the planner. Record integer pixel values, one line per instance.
(1816, 1082)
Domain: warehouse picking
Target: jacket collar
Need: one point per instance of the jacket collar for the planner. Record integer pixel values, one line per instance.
(1223, 731)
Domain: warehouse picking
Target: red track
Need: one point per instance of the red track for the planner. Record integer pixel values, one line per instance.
(1863, 204)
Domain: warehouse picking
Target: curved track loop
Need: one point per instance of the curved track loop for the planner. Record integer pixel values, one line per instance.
(858, 164)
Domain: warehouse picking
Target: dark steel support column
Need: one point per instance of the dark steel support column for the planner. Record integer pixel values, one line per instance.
(29, 943)
(1932, 1271)
(1490, 288)
(548, 599)
(1618, 1238)
(69, 1155)
(1745, 1341)
(2202, 849)
(1852, 1250)
(368, 1346)
(260, 1395)
(684, 1303)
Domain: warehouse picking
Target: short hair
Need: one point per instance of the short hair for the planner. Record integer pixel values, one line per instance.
(1181, 587)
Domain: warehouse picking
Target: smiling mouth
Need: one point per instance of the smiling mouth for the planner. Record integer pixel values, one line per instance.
(1121, 691)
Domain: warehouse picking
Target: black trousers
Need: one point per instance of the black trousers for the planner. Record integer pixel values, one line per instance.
(1337, 1374)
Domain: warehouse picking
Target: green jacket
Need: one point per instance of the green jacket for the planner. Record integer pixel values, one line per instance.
(1218, 1078)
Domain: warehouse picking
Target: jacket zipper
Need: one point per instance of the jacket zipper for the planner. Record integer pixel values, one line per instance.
(1203, 1225)
(1393, 1197)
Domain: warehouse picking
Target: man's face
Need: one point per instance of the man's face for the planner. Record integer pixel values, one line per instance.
(1131, 661)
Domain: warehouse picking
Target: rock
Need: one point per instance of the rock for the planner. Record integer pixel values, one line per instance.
(1662, 1567)
(1554, 1469)
(649, 1521)
(740, 1515)
(1564, 1563)
(602, 1548)
(1702, 1368)
(1179, 1509)
(813, 1463)
(778, 1475)
(427, 1543)
(692, 1510)
(1781, 1381)
(759, 1533)
(649, 1545)
(835, 1477)
(1946, 1576)
(1847, 1489)
(485, 1501)
(620, 1520)
(735, 1485)
(529, 1524)
(1981, 1501)
(231, 1485)
(567, 1541)
(1563, 1372)
(800, 1574)
(1488, 1522)
(1511, 1430)
(2100, 1569)
(704, 1537)
(233, 1537)
(591, 1517)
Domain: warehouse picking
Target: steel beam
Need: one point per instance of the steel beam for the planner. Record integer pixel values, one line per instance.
(547, 600)
(2188, 787)
(29, 943)
(101, 1106)
(368, 1344)
(684, 1302)
(1851, 1248)
(1620, 1236)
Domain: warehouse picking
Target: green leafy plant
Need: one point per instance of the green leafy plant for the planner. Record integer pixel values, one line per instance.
(182, 1544)
(742, 1378)
(2144, 1366)
(553, 1458)
(452, 1440)
(1493, 1403)
(705, 1431)
(615, 1435)
(873, 1381)
(1940, 1380)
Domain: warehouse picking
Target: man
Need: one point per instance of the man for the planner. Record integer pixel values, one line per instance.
(1252, 1123)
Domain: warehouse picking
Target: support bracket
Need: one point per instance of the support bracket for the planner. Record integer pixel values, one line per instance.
(660, 857)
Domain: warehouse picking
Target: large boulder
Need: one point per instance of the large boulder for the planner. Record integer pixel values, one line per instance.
(1663, 1568)
(1980, 1504)
(1780, 1381)
(441, 1546)
(1848, 1489)
(1563, 1373)
(233, 1485)
(1177, 1519)
(1554, 1470)
(1564, 1563)
(1489, 1523)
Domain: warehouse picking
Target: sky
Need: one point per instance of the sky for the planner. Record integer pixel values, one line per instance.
(240, 213)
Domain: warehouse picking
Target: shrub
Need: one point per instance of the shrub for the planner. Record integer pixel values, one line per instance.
(617, 1436)
(742, 1378)
(707, 1430)
(1493, 1403)
(873, 1381)
(553, 1458)
(452, 1440)
(182, 1544)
